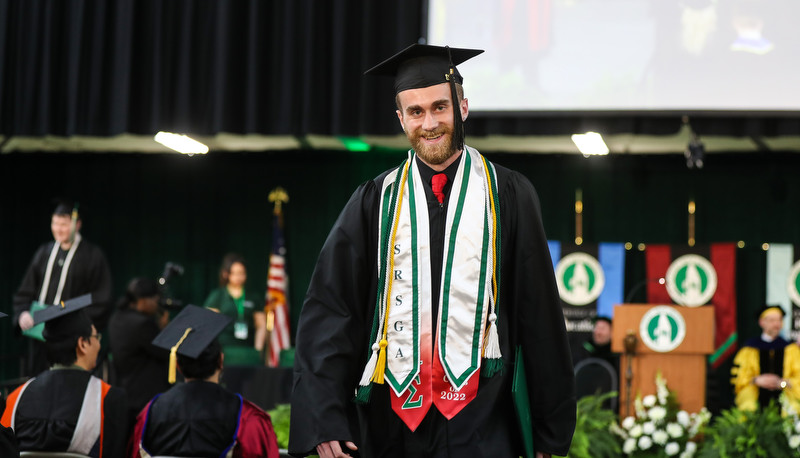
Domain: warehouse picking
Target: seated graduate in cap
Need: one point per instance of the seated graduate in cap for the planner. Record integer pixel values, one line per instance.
(199, 417)
(767, 365)
(66, 408)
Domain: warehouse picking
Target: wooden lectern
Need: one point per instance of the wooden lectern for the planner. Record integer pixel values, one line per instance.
(684, 367)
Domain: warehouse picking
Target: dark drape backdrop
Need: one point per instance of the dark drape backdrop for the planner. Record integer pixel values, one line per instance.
(279, 67)
(288, 67)
(147, 209)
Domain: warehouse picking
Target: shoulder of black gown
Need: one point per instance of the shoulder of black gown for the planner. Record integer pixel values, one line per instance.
(9, 446)
(48, 409)
(333, 330)
(115, 422)
(530, 302)
(178, 425)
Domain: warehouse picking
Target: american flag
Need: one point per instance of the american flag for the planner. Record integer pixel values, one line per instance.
(277, 293)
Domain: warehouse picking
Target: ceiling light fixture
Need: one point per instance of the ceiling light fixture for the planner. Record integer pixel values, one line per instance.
(590, 144)
(181, 143)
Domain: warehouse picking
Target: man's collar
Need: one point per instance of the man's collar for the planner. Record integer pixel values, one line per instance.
(426, 172)
(65, 366)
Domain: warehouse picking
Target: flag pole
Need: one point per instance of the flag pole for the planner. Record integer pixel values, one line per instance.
(277, 197)
(578, 216)
(691, 240)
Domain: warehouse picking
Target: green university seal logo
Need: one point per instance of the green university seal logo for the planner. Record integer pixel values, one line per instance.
(662, 328)
(793, 283)
(580, 279)
(691, 280)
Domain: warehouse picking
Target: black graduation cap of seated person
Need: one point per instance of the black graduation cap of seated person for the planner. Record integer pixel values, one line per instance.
(65, 320)
(205, 325)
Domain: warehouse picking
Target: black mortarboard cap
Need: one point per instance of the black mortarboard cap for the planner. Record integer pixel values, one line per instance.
(205, 325)
(65, 320)
(189, 333)
(63, 206)
(420, 66)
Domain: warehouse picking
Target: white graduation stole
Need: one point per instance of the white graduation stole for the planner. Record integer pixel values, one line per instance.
(419, 372)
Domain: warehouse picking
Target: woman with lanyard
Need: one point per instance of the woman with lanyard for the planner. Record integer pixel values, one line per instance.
(243, 340)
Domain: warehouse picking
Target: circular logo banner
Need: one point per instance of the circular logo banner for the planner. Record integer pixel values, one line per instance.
(580, 278)
(662, 328)
(691, 280)
(793, 283)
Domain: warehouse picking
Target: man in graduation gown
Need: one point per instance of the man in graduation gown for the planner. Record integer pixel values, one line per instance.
(432, 278)
(65, 268)
(767, 365)
(66, 409)
(200, 417)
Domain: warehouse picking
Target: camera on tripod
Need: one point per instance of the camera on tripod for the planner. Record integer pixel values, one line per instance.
(171, 270)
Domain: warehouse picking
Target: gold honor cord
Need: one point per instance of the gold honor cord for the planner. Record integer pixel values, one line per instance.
(691, 223)
(380, 367)
(578, 216)
(173, 356)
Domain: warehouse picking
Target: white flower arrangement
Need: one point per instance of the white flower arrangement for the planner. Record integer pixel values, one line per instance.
(659, 428)
(791, 425)
(672, 449)
(660, 437)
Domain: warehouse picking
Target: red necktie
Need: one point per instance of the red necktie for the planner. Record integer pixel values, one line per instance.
(437, 183)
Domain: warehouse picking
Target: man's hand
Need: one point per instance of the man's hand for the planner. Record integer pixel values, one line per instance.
(25, 320)
(332, 449)
(768, 381)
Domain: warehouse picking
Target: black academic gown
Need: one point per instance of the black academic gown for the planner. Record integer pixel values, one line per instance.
(141, 367)
(88, 273)
(48, 410)
(334, 331)
(590, 349)
(177, 424)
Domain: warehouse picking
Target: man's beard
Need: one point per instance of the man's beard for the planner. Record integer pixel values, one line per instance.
(433, 154)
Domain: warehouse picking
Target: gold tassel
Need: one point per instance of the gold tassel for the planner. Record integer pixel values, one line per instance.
(173, 357)
(380, 367)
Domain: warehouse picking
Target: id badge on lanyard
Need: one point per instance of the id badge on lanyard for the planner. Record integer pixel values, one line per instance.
(240, 330)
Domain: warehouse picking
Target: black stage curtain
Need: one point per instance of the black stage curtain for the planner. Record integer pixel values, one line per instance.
(147, 209)
(283, 67)
(280, 67)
